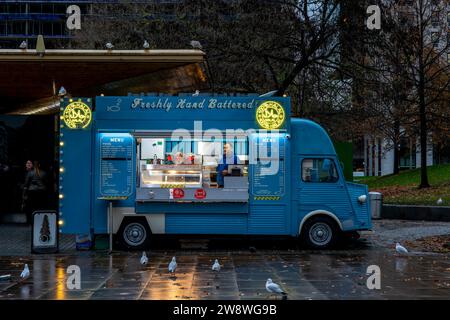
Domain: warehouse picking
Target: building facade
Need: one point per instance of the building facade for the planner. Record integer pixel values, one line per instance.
(24, 20)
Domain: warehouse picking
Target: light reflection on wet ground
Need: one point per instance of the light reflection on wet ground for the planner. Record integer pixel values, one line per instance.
(336, 274)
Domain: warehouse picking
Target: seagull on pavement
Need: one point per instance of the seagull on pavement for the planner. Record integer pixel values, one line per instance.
(146, 45)
(109, 46)
(144, 259)
(272, 287)
(25, 273)
(439, 201)
(216, 266)
(173, 265)
(23, 45)
(400, 249)
(196, 93)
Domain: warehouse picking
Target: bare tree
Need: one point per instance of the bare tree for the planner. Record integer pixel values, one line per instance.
(422, 37)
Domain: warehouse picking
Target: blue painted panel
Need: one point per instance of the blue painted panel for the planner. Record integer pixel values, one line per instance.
(206, 223)
(173, 109)
(166, 207)
(363, 217)
(269, 219)
(75, 180)
(325, 196)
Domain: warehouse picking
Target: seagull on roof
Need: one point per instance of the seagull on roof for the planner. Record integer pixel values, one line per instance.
(196, 44)
(23, 45)
(146, 45)
(109, 46)
(62, 92)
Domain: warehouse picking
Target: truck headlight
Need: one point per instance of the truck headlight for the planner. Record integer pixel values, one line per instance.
(362, 199)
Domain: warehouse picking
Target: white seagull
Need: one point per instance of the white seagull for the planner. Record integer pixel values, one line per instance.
(439, 201)
(216, 266)
(173, 265)
(25, 273)
(109, 46)
(23, 45)
(146, 45)
(196, 93)
(400, 249)
(62, 92)
(144, 259)
(196, 44)
(272, 287)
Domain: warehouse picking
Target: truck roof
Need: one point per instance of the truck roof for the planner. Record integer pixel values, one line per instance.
(310, 138)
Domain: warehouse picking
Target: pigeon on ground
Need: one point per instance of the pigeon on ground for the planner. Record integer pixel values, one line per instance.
(216, 266)
(23, 45)
(272, 287)
(439, 201)
(173, 265)
(400, 249)
(109, 46)
(25, 273)
(144, 259)
(146, 45)
(196, 44)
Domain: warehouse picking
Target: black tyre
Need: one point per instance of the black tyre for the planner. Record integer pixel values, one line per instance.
(320, 232)
(134, 234)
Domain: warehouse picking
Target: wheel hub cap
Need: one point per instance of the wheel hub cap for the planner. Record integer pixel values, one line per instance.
(134, 234)
(320, 234)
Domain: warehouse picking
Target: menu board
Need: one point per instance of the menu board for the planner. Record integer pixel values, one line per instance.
(269, 173)
(116, 165)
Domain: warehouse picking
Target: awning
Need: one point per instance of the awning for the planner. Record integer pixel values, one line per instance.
(29, 82)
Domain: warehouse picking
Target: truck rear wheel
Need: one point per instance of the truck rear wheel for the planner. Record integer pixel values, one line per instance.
(134, 234)
(320, 232)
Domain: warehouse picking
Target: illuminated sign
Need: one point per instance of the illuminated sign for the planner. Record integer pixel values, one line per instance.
(270, 115)
(77, 115)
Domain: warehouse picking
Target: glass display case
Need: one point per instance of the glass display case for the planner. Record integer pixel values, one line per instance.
(170, 176)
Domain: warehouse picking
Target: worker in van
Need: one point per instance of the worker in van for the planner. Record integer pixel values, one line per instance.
(228, 158)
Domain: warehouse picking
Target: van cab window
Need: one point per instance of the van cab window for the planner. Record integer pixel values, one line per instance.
(319, 170)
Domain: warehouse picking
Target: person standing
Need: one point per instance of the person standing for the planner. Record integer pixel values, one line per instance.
(35, 189)
(228, 158)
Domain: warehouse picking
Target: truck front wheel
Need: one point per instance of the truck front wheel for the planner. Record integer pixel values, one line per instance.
(134, 234)
(320, 232)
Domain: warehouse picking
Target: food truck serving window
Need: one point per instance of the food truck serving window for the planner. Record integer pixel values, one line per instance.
(192, 169)
(319, 170)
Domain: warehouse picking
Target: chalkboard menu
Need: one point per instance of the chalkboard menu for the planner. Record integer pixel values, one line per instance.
(269, 173)
(116, 165)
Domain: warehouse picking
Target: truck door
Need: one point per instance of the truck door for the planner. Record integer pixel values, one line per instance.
(319, 186)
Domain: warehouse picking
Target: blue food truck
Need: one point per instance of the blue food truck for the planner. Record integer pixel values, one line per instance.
(137, 166)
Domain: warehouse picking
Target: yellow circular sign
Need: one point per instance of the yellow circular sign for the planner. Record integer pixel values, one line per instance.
(77, 115)
(270, 115)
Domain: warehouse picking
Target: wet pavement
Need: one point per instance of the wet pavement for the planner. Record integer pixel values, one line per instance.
(303, 274)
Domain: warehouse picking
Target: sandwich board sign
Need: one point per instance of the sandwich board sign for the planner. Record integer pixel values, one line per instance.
(45, 232)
